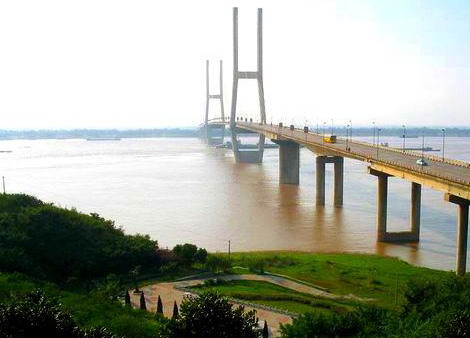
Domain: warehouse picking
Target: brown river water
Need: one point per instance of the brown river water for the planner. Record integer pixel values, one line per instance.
(180, 190)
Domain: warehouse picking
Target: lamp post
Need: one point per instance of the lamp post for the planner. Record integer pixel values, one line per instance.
(323, 132)
(373, 128)
(332, 127)
(378, 141)
(422, 147)
(443, 142)
(404, 137)
(347, 137)
(350, 131)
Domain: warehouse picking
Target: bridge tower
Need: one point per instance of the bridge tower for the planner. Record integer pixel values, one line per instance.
(211, 126)
(247, 156)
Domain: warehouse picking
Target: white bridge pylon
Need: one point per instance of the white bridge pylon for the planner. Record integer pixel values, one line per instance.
(247, 156)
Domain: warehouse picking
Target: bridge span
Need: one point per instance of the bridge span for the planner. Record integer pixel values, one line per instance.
(449, 176)
(452, 177)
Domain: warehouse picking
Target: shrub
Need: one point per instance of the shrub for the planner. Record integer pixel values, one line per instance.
(210, 315)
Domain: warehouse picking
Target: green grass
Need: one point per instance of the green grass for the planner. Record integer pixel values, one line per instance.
(87, 309)
(276, 296)
(367, 276)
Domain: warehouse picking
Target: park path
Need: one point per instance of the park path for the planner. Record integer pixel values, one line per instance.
(170, 292)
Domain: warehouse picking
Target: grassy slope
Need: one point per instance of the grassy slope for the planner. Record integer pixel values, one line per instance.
(276, 296)
(368, 276)
(87, 310)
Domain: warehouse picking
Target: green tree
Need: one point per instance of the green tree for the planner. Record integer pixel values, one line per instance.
(265, 333)
(188, 254)
(210, 315)
(143, 304)
(40, 316)
(175, 310)
(159, 305)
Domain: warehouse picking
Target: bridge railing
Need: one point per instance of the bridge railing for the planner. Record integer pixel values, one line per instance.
(416, 154)
(371, 159)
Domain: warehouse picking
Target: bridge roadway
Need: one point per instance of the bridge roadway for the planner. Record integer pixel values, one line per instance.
(452, 177)
(448, 176)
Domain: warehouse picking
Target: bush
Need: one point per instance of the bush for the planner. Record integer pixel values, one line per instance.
(59, 245)
(39, 316)
(188, 254)
(210, 315)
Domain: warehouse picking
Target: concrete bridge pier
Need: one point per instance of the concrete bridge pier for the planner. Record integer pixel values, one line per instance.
(462, 232)
(289, 162)
(338, 162)
(415, 215)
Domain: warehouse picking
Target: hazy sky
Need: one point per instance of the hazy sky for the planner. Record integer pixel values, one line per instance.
(131, 64)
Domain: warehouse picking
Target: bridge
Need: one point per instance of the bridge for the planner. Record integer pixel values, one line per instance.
(451, 177)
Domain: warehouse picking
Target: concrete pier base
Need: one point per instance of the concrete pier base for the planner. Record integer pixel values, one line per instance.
(338, 162)
(320, 180)
(462, 232)
(382, 199)
(289, 162)
(249, 156)
(339, 174)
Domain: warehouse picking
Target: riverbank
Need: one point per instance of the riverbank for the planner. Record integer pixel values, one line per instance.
(382, 279)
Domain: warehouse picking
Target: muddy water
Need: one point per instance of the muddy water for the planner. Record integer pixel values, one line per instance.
(179, 190)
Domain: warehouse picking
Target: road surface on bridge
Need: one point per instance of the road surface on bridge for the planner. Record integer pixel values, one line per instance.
(450, 176)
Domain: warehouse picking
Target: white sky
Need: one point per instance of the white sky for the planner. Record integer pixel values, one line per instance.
(132, 64)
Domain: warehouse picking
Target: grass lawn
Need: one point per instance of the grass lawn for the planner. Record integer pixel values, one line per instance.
(86, 309)
(276, 296)
(367, 276)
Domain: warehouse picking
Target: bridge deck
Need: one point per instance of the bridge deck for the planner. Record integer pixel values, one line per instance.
(446, 175)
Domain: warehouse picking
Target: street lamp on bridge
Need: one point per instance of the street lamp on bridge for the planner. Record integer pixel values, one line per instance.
(373, 132)
(404, 137)
(378, 140)
(443, 141)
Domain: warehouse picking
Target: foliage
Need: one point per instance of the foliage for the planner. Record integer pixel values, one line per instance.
(63, 245)
(188, 254)
(39, 316)
(218, 263)
(431, 310)
(210, 315)
(88, 310)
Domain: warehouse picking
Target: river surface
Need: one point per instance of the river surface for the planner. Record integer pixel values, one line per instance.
(180, 190)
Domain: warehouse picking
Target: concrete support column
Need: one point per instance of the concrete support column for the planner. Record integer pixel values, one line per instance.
(415, 216)
(289, 162)
(320, 174)
(382, 193)
(462, 234)
(339, 174)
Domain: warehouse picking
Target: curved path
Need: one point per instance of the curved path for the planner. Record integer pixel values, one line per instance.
(173, 291)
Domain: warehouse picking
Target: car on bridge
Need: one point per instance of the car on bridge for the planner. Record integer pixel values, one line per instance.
(421, 162)
(329, 138)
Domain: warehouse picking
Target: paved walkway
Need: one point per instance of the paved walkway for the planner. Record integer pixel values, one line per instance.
(169, 293)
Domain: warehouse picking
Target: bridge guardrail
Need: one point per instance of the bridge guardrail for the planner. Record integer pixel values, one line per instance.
(396, 164)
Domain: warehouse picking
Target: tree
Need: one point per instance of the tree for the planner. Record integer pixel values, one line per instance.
(37, 315)
(265, 333)
(143, 305)
(159, 305)
(188, 254)
(175, 310)
(211, 315)
(127, 299)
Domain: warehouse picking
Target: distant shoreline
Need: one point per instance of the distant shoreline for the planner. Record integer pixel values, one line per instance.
(194, 133)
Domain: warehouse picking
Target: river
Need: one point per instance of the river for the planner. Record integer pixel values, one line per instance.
(179, 190)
